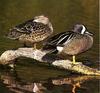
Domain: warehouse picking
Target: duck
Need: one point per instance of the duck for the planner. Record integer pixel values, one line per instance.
(32, 31)
(73, 42)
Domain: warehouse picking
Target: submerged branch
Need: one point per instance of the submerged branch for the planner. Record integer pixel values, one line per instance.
(10, 55)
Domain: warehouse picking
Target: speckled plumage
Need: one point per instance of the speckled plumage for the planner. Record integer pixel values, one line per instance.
(33, 31)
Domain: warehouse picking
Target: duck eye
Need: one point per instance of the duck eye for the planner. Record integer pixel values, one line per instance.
(80, 29)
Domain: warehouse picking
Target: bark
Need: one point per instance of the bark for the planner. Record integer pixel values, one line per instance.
(41, 56)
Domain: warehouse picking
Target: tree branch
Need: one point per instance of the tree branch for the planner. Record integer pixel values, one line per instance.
(10, 55)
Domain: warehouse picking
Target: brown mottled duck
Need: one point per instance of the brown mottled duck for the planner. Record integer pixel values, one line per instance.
(33, 31)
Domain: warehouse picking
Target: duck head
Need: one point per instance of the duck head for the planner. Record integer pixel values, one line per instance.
(42, 19)
(79, 28)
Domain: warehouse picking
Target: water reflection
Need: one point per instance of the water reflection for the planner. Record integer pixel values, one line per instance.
(68, 84)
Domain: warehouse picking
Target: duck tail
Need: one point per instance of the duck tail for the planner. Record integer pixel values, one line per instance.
(50, 49)
(14, 34)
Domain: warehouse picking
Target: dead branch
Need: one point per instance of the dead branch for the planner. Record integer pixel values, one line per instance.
(10, 55)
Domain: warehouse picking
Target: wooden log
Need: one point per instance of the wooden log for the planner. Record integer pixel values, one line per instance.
(10, 55)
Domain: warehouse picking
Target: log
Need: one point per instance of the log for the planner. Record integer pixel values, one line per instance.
(41, 56)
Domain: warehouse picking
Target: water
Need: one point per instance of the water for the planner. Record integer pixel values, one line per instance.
(63, 14)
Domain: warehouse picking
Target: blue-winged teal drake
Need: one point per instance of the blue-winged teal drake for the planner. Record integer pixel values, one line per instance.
(32, 31)
(71, 42)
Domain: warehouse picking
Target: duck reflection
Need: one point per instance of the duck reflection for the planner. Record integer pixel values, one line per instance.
(69, 84)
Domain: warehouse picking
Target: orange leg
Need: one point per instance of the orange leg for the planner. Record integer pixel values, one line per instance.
(77, 85)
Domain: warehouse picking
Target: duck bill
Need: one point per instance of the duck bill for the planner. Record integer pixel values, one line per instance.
(89, 33)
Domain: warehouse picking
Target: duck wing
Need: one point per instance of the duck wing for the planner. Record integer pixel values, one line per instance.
(58, 40)
(26, 28)
(30, 26)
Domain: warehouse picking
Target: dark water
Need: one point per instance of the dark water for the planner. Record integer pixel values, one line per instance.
(63, 14)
